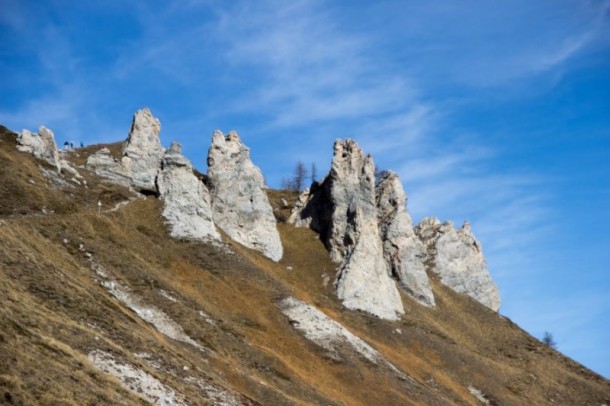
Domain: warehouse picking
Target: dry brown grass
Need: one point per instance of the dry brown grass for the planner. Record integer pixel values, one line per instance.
(53, 312)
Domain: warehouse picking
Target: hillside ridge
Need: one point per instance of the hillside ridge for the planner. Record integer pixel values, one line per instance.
(101, 305)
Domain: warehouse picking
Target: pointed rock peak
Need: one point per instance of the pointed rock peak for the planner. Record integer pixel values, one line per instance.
(175, 148)
(218, 138)
(144, 134)
(173, 156)
(228, 151)
(342, 209)
(390, 194)
(239, 202)
(141, 158)
(466, 228)
(233, 137)
(349, 161)
(46, 133)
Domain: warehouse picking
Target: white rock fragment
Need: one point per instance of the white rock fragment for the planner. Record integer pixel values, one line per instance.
(479, 395)
(150, 314)
(186, 200)
(161, 321)
(136, 380)
(457, 258)
(208, 319)
(324, 331)
(239, 202)
(329, 334)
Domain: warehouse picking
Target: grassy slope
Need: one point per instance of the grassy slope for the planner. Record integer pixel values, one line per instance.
(53, 312)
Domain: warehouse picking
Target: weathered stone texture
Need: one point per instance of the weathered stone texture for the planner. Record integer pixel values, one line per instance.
(186, 200)
(457, 258)
(402, 250)
(239, 201)
(141, 157)
(41, 145)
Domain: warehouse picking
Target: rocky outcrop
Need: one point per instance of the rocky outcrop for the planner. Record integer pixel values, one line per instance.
(403, 251)
(105, 165)
(364, 282)
(186, 200)
(457, 258)
(41, 145)
(239, 202)
(343, 210)
(142, 152)
(141, 156)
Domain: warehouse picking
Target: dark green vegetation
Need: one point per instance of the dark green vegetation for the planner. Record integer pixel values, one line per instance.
(54, 311)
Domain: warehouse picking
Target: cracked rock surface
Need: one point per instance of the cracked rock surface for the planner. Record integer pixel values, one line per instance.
(239, 202)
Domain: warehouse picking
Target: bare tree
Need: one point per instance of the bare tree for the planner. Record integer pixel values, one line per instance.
(297, 182)
(314, 173)
(547, 339)
(300, 174)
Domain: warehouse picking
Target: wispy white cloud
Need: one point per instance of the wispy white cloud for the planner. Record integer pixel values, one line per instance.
(309, 68)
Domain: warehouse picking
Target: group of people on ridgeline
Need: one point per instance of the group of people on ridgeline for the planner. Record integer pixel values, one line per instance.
(70, 144)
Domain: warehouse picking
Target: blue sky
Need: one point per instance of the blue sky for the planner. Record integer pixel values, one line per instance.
(495, 112)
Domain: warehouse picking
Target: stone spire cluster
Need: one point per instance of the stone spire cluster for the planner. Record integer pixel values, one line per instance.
(369, 233)
(364, 225)
(234, 198)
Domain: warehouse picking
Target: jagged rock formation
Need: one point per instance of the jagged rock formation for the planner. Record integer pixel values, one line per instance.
(457, 258)
(141, 156)
(343, 210)
(41, 145)
(347, 210)
(142, 153)
(402, 250)
(239, 202)
(187, 208)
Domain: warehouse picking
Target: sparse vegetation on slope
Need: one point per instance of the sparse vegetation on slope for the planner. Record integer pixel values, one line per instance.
(57, 314)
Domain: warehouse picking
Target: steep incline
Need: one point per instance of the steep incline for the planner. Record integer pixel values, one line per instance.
(101, 306)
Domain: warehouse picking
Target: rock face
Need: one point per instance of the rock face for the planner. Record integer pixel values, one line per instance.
(343, 210)
(141, 156)
(402, 250)
(457, 258)
(142, 153)
(105, 165)
(364, 282)
(41, 145)
(239, 202)
(186, 200)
